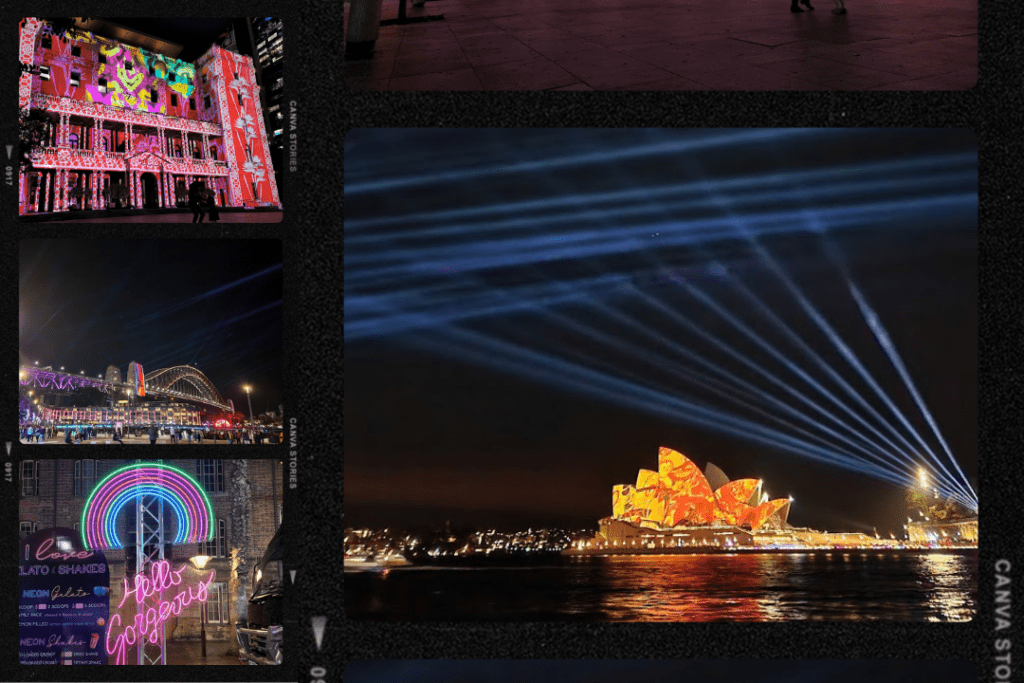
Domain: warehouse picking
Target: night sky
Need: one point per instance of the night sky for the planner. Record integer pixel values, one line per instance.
(590, 671)
(194, 35)
(211, 304)
(469, 253)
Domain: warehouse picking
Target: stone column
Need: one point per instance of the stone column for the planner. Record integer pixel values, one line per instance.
(128, 138)
(206, 147)
(39, 190)
(363, 28)
(159, 188)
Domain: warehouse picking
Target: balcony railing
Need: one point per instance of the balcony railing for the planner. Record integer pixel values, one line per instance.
(44, 101)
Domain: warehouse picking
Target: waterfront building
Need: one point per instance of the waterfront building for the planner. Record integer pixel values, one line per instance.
(161, 413)
(679, 508)
(118, 114)
(944, 532)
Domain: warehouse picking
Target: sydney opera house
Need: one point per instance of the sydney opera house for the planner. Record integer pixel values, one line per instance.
(679, 508)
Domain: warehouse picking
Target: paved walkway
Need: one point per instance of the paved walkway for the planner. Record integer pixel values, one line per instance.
(674, 45)
(189, 652)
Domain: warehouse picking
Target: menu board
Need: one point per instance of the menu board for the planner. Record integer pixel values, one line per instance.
(63, 600)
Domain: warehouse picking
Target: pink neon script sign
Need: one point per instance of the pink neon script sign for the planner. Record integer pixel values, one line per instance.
(152, 608)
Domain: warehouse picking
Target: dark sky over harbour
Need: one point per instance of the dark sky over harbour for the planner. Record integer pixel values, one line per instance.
(485, 268)
(211, 304)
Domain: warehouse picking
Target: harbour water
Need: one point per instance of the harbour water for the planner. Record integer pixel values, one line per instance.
(839, 585)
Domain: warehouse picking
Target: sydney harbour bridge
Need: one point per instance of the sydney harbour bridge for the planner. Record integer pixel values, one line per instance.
(182, 382)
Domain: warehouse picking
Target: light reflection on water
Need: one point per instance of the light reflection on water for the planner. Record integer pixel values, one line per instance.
(774, 587)
(841, 585)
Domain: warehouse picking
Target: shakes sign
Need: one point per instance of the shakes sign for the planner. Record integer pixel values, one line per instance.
(63, 600)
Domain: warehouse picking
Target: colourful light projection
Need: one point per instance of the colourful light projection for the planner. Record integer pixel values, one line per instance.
(152, 605)
(679, 494)
(690, 496)
(186, 497)
(132, 74)
(734, 500)
(140, 380)
(129, 74)
(245, 137)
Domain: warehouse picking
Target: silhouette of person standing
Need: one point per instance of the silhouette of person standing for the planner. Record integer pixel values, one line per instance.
(195, 200)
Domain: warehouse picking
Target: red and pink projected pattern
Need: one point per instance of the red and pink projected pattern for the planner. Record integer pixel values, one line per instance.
(245, 137)
(122, 115)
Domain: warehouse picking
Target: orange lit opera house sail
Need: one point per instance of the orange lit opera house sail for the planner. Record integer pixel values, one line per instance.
(679, 495)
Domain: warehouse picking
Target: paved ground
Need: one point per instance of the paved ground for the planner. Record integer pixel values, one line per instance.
(674, 45)
(189, 652)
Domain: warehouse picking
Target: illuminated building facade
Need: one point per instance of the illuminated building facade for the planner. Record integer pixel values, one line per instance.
(246, 498)
(678, 494)
(122, 115)
(680, 509)
(955, 532)
(154, 413)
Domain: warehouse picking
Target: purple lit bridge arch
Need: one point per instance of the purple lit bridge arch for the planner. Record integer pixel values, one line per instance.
(181, 382)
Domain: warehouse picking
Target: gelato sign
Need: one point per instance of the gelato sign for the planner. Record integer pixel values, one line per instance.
(63, 600)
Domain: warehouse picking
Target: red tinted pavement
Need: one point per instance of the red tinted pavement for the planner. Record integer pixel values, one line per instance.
(674, 45)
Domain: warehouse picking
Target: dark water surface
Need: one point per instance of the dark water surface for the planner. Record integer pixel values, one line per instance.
(756, 587)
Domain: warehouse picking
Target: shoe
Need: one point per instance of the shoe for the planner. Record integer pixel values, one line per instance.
(795, 8)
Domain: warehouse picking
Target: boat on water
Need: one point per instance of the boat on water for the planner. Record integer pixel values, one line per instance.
(373, 562)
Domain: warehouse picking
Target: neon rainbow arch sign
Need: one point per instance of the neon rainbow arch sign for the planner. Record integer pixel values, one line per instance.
(182, 492)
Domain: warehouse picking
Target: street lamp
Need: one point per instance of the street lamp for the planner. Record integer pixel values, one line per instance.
(248, 396)
(200, 563)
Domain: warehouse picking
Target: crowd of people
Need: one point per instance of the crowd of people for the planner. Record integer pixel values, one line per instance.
(34, 433)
